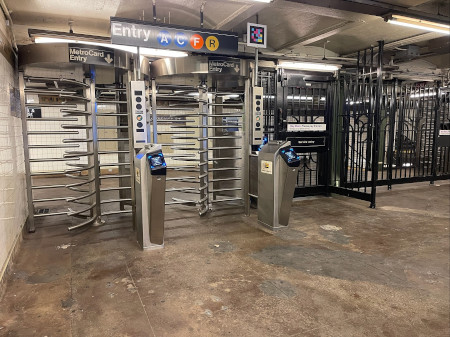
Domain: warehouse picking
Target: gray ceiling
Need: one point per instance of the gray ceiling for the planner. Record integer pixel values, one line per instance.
(297, 27)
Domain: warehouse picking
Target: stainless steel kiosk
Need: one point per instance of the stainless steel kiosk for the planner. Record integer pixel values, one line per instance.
(150, 185)
(277, 173)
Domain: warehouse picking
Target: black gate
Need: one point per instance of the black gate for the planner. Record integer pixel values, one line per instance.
(303, 117)
(365, 131)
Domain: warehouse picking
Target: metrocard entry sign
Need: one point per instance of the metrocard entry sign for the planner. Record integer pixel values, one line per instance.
(144, 34)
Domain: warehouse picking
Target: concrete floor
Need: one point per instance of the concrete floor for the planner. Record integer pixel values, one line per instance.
(341, 269)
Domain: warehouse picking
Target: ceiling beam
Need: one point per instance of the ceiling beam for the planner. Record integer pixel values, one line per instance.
(319, 35)
(371, 7)
(242, 14)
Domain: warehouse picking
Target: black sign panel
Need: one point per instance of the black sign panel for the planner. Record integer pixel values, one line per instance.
(308, 144)
(144, 34)
(80, 53)
(34, 113)
(223, 65)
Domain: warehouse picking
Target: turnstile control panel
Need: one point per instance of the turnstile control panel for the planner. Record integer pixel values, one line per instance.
(150, 190)
(277, 176)
(138, 106)
(257, 116)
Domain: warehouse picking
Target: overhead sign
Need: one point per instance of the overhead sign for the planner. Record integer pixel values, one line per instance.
(143, 34)
(256, 35)
(80, 53)
(224, 65)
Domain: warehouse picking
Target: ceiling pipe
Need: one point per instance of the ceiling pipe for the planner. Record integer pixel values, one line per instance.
(202, 8)
(8, 16)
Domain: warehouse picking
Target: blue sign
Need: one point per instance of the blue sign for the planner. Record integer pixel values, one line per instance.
(164, 38)
(181, 39)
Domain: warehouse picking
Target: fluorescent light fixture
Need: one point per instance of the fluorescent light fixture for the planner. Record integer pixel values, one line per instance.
(419, 24)
(309, 66)
(266, 1)
(143, 51)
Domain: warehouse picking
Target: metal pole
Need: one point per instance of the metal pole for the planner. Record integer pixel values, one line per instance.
(154, 11)
(90, 93)
(435, 134)
(154, 115)
(376, 136)
(246, 147)
(255, 78)
(26, 153)
(203, 163)
(392, 114)
(132, 150)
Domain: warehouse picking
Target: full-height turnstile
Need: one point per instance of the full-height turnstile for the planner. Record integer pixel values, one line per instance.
(200, 125)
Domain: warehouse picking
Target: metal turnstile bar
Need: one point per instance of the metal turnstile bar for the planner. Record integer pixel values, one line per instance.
(111, 152)
(108, 189)
(117, 212)
(226, 189)
(42, 187)
(112, 114)
(37, 105)
(109, 201)
(184, 189)
(113, 139)
(115, 176)
(55, 119)
(225, 169)
(112, 102)
(224, 179)
(225, 200)
(112, 127)
(53, 173)
(114, 164)
(225, 158)
(226, 148)
(60, 146)
(49, 214)
(53, 132)
(75, 126)
(49, 199)
(52, 159)
(54, 79)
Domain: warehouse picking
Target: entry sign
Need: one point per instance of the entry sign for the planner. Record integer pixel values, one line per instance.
(223, 65)
(80, 53)
(144, 34)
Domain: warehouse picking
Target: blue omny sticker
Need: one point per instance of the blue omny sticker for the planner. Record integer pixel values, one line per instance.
(164, 38)
(180, 39)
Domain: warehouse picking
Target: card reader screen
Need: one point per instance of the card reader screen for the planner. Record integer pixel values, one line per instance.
(291, 155)
(156, 161)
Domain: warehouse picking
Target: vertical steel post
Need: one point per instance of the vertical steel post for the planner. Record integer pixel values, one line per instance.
(437, 106)
(26, 154)
(376, 136)
(203, 163)
(246, 127)
(91, 105)
(390, 150)
(130, 77)
(154, 115)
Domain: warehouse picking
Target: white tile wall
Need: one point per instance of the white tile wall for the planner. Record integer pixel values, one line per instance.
(13, 210)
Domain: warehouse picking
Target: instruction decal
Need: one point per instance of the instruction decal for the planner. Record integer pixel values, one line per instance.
(138, 175)
(266, 167)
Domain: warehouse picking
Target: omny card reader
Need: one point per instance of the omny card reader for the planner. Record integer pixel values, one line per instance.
(277, 177)
(150, 187)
